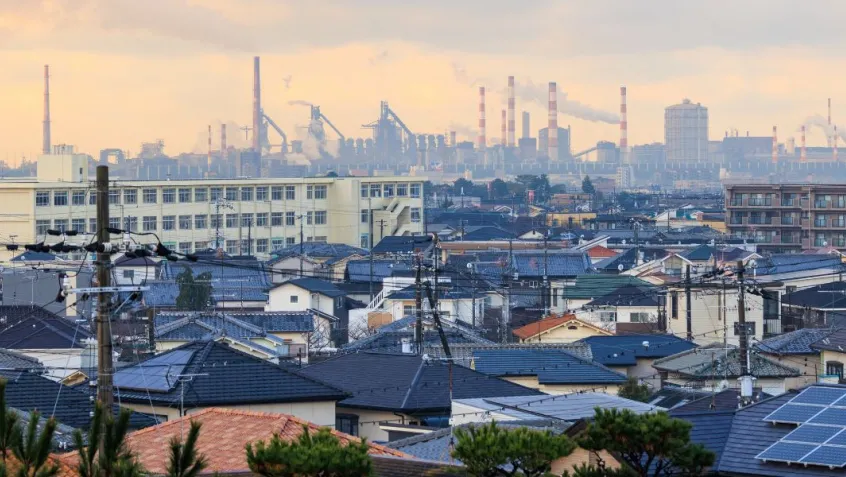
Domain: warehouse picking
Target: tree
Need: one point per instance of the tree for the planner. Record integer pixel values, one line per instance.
(33, 449)
(499, 189)
(331, 174)
(587, 186)
(8, 423)
(634, 390)
(652, 444)
(194, 293)
(489, 450)
(184, 460)
(106, 453)
(461, 186)
(540, 184)
(318, 455)
(590, 470)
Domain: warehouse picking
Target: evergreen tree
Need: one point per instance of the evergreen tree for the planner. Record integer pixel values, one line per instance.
(184, 460)
(634, 390)
(462, 185)
(33, 449)
(587, 186)
(489, 450)
(314, 455)
(194, 293)
(652, 444)
(106, 453)
(499, 189)
(8, 423)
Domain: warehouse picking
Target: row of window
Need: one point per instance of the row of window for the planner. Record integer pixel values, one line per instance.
(390, 190)
(182, 195)
(415, 215)
(240, 247)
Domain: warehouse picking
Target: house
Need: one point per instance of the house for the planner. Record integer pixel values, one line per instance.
(133, 270)
(404, 245)
(713, 313)
(795, 350)
(204, 374)
(817, 306)
(701, 257)
(455, 303)
(464, 353)
(222, 441)
(398, 337)
(832, 350)
(628, 307)
(482, 233)
(575, 294)
(634, 355)
(629, 259)
(403, 389)
(599, 253)
(714, 367)
(327, 260)
(318, 296)
(236, 282)
(558, 329)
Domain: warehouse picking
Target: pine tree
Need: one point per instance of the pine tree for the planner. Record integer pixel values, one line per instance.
(184, 460)
(8, 423)
(33, 449)
(194, 292)
(634, 390)
(318, 455)
(587, 186)
(106, 453)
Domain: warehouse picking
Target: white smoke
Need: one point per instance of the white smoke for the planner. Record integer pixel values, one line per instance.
(287, 81)
(299, 102)
(468, 132)
(235, 137)
(539, 94)
(828, 129)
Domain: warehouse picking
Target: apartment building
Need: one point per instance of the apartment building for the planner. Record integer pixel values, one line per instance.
(243, 216)
(788, 217)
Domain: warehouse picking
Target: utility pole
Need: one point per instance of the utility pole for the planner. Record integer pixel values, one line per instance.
(746, 379)
(370, 228)
(473, 283)
(418, 307)
(302, 246)
(506, 312)
(105, 370)
(546, 297)
(689, 312)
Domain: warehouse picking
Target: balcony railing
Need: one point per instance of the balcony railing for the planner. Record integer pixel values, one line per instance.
(760, 220)
(819, 223)
(788, 202)
(820, 204)
(736, 221)
(760, 202)
(788, 220)
(790, 239)
(736, 203)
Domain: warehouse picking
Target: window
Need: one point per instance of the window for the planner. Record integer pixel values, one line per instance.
(185, 247)
(290, 193)
(78, 197)
(61, 225)
(319, 238)
(389, 190)
(309, 192)
(320, 192)
(247, 194)
(246, 220)
(261, 246)
(309, 217)
(232, 247)
(201, 245)
(277, 243)
(216, 221)
(60, 199)
(261, 219)
(415, 214)
(41, 227)
(92, 225)
(129, 274)
(415, 190)
(168, 196)
(148, 223)
(150, 196)
(201, 194)
(276, 193)
(42, 199)
(295, 299)
(130, 223)
(607, 316)
(168, 222)
(402, 190)
(216, 193)
(92, 198)
(290, 218)
(320, 217)
(246, 247)
(261, 193)
(639, 317)
(364, 191)
(231, 221)
(201, 221)
(289, 241)
(184, 195)
(834, 368)
(276, 219)
(347, 423)
(114, 222)
(365, 216)
(375, 190)
(364, 241)
(78, 225)
(184, 222)
(130, 196)
(231, 193)
(409, 310)
(114, 197)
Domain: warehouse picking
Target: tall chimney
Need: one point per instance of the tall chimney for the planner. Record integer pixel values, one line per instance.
(527, 129)
(209, 160)
(45, 144)
(482, 140)
(624, 128)
(223, 141)
(775, 146)
(552, 128)
(511, 113)
(803, 155)
(834, 144)
(256, 105)
(503, 137)
(452, 139)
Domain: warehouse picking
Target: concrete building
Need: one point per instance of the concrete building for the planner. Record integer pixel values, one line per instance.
(686, 132)
(564, 150)
(242, 216)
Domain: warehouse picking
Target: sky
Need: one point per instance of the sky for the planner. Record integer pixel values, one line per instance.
(125, 72)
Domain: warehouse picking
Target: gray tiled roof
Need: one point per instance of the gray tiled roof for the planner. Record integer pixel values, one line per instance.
(463, 353)
(319, 250)
(568, 407)
(359, 270)
(33, 327)
(795, 342)
(709, 361)
(550, 366)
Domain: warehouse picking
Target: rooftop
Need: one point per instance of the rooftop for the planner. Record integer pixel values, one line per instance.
(715, 360)
(33, 327)
(567, 407)
(625, 350)
(794, 342)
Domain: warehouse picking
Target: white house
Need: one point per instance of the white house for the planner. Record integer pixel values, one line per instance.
(134, 271)
(454, 304)
(320, 297)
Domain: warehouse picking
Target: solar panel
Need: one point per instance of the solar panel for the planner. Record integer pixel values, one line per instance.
(839, 439)
(840, 402)
(819, 395)
(160, 373)
(826, 455)
(786, 451)
(831, 416)
(811, 434)
(794, 413)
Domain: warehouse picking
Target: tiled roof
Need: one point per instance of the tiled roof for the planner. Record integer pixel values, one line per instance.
(443, 293)
(223, 437)
(629, 296)
(590, 287)
(726, 400)
(270, 321)
(389, 466)
(550, 366)
(601, 252)
(33, 327)
(624, 350)
(390, 338)
(359, 270)
(709, 428)
(671, 397)
(830, 296)
(541, 326)
(700, 254)
(10, 360)
(463, 354)
(794, 342)
(792, 263)
(230, 270)
(30, 256)
(566, 263)
(709, 361)
(317, 249)
(628, 259)
(836, 341)
(402, 244)
(486, 232)
(315, 285)
(161, 294)
(406, 383)
(567, 407)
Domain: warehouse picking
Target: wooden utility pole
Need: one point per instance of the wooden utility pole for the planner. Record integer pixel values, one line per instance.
(418, 307)
(689, 303)
(105, 371)
(746, 379)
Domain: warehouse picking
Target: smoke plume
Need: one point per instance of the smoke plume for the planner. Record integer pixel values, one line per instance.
(468, 132)
(299, 102)
(828, 129)
(539, 94)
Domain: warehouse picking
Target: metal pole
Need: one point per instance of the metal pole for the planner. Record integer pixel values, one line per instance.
(688, 300)
(370, 229)
(473, 281)
(746, 384)
(418, 303)
(302, 247)
(104, 338)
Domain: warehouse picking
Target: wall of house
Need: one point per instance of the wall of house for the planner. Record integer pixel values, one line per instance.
(60, 362)
(461, 309)
(368, 422)
(826, 356)
(711, 312)
(532, 382)
(643, 370)
(624, 313)
(289, 268)
(579, 457)
(280, 299)
(768, 385)
(567, 333)
(138, 275)
(809, 366)
(320, 412)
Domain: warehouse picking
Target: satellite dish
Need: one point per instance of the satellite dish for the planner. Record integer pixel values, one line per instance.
(620, 267)
(624, 241)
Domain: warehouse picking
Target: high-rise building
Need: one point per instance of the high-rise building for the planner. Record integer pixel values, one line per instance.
(686, 132)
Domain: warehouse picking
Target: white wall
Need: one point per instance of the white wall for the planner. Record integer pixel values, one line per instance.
(713, 310)
(279, 299)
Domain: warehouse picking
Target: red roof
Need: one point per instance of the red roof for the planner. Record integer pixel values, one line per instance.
(550, 322)
(601, 252)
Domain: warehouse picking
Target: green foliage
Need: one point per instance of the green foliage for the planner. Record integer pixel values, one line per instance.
(462, 185)
(106, 453)
(499, 189)
(652, 444)
(634, 390)
(184, 460)
(317, 455)
(194, 293)
(543, 191)
(490, 451)
(8, 424)
(33, 449)
(331, 174)
(587, 186)
(589, 470)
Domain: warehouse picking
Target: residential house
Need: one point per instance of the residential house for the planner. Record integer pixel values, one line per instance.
(575, 294)
(482, 233)
(403, 389)
(133, 270)
(634, 355)
(629, 258)
(702, 258)
(327, 260)
(325, 300)
(464, 353)
(832, 350)
(817, 306)
(398, 337)
(454, 303)
(236, 282)
(713, 313)
(628, 308)
(795, 350)
(558, 329)
(715, 367)
(599, 253)
(204, 374)
(405, 245)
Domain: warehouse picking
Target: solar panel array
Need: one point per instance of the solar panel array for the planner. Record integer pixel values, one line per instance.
(160, 373)
(820, 438)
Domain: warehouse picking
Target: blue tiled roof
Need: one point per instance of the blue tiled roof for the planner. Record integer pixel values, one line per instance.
(795, 342)
(244, 292)
(230, 270)
(710, 428)
(700, 254)
(33, 327)
(30, 256)
(402, 244)
(161, 294)
(390, 337)
(195, 326)
(628, 296)
(623, 350)
(550, 366)
(316, 285)
(558, 263)
(359, 270)
(319, 250)
(628, 259)
(792, 263)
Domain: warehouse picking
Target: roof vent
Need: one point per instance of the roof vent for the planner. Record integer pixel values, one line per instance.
(407, 347)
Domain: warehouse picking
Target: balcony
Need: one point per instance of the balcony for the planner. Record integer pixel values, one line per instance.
(821, 204)
(736, 203)
(819, 223)
(760, 202)
(760, 220)
(788, 220)
(838, 223)
(789, 203)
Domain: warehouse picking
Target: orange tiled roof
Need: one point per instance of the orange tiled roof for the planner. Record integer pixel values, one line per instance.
(223, 438)
(601, 252)
(550, 322)
(65, 470)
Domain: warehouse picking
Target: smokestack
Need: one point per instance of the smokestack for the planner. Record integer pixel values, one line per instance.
(452, 139)
(834, 144)
(209, 160)
(527, 130)
(552, 128)
(624, 128)
(223, 141)
(45, 145)
(775, 146)
(511, 113)
(256, 104)
(503, 137)
(803, 156)
(482, 135)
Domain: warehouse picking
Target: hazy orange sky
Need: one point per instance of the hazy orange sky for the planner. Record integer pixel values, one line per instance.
(129, 71)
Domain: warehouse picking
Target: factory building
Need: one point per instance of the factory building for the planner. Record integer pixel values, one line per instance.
(564, 151)
(686, 132)
(242, 216)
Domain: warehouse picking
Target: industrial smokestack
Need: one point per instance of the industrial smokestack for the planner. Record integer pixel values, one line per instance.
(452, 139)
(834, 144)
(503, 137)
(624, 128)
(552, 128)
(511, 113)
(775, 146)
(803, 156)
(527, 130)
(223, 141)
(209, 159)
(482, 134)
(45, 145)
(256, 104)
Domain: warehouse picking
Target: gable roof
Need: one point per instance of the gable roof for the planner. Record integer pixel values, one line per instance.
(464, 353)
(836, 341)
(389, 339)
(590, 287)
(725, 400)
(359, 270)
(624, 350)
(315, 285)
(33, 327)
(317, 249)
(827, 296)
(628, 259)
(567, 407)
(407, 383)
(485, 232)
(557, 263)
(598, 251)
(714, 360)
(403, 244)
(629, 296)
(702, 253)
(30, 256)
(225, 434)
(794, 342)
(550, 323)
(792, 263)
(550, 366)
(709, 428)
